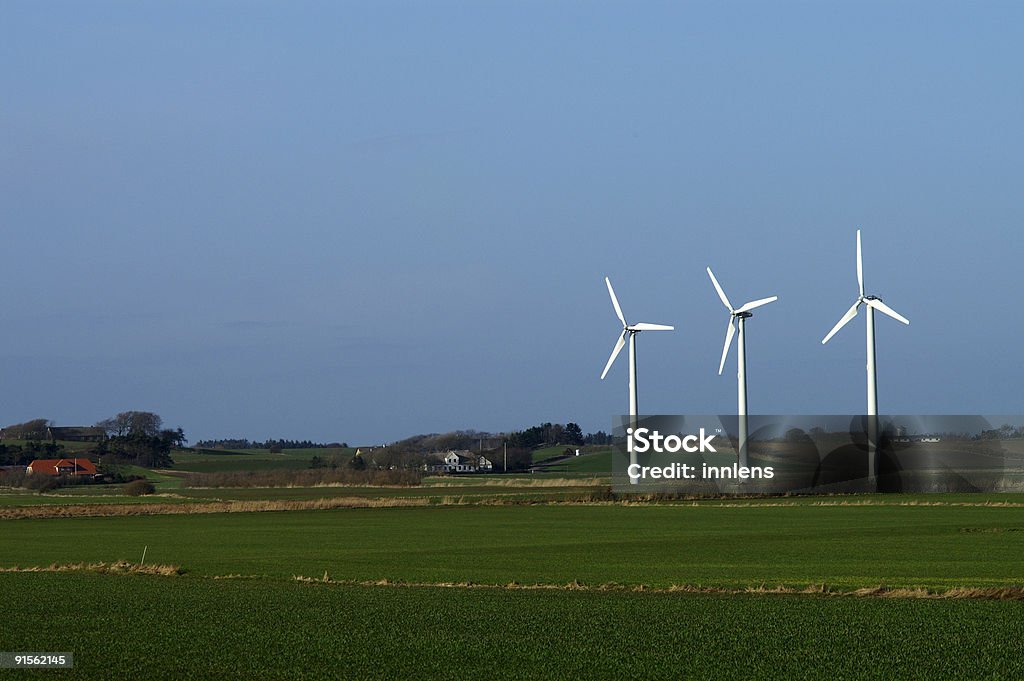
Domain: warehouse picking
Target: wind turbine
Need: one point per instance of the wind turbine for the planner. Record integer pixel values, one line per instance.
(873, 303)
(738, 316)
(630, 330)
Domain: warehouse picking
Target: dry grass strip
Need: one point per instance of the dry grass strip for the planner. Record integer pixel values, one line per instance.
(1010, 593)
(330, 503)
(518, 482)
(82, 510)
(121, 567)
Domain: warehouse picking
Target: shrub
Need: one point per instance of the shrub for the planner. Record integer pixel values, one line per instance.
(137, 488)
(42, 482)
(13, 478)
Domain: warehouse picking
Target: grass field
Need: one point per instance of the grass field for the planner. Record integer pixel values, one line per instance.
(191, 628)
(218, 461)
(445, 590)
(845, 547)
(550, 456)
(439, 489)
(596, 462)
(69, 446)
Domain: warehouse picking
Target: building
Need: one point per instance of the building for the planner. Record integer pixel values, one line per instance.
(462, 461)
(57, 467)
(76, 433)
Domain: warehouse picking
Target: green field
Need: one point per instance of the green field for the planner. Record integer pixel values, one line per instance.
(845, 547)
(447, 591)
(598, 462)
(439, 489)
(70, 447)
(592, 459)
(220, 461)
(192, 628)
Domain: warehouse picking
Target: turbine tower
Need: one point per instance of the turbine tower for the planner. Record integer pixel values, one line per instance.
(630, 330)
(873, 303)
(738, 316)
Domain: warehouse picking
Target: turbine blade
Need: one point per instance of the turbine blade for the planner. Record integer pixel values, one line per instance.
(850, 314)
(615, 301)
(882, 307)
(757, 303)
(729, 331)
(860, 266)
(615, 353)
(644, 326)
(721, 293)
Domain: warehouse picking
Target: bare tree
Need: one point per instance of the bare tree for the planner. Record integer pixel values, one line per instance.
(30, 430)
(132, 423)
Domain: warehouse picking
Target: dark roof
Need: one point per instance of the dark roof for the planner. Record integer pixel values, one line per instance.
(76, 432)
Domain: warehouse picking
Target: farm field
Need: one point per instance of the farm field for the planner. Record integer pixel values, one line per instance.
(558, 451)
(218, 461)
(468, 494)
(723, 545)
(468, 489)
(130, 627)
(598, 462)
(446, 591)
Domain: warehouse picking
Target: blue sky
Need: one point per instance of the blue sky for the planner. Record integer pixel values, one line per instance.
(362, 221)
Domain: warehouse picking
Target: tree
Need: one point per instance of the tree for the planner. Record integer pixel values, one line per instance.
(174, 439)
(137, 437)
(29, 430)
(531, 438)
(553, 433)
(573, 434)
(519, 459)
(132, 423)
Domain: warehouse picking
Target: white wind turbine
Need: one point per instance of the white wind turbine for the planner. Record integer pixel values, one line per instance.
(630, 330)
(739, 316)
(873, 303)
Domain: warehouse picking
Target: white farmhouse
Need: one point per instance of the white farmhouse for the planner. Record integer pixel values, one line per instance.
(461, 461)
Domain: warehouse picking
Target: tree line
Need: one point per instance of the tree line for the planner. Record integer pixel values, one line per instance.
(513, 449)
(27, 452)
(131, 437)
(140, 438)
(242, 443)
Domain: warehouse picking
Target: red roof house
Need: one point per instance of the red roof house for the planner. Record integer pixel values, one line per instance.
(62, 467)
